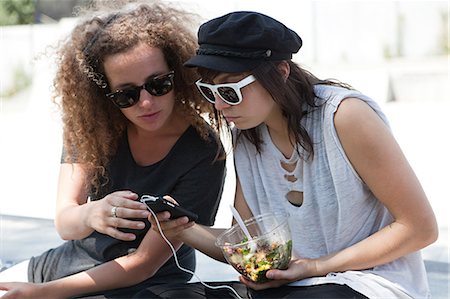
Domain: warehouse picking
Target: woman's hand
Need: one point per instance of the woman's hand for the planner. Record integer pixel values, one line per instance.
(171, 228)
(298, 269)
(25, 290)
(110, 213)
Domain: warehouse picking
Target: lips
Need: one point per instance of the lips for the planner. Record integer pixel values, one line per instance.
(230, 118)
(149, 116)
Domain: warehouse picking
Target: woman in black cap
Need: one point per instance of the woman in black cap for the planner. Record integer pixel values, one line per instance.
(320, 151)
(133, 125)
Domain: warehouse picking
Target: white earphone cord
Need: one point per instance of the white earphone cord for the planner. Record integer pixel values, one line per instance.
(187, 270)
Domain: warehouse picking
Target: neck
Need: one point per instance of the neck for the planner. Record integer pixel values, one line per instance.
(280, 135)
(176, 126)
(148, 148)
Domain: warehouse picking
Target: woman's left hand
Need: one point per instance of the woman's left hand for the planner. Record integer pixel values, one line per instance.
(24, 290)
(297, 269)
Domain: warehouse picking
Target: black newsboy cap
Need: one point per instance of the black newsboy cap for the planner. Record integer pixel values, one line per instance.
(240, 41)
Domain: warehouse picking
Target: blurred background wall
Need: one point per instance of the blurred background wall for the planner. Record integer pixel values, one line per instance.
(394, 38)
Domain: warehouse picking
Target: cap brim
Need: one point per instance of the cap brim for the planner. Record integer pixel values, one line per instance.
(222, 64)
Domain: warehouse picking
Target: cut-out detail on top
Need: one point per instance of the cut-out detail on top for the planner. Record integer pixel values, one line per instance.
(295, 198)
(289, 167)
(290, 177)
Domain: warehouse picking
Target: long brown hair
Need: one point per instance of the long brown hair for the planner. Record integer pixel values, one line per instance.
(295, 96)
(92, 125)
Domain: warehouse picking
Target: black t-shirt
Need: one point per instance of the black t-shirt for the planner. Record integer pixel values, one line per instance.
(189, 173)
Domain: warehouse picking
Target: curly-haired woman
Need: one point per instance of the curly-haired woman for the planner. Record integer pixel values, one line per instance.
(133, 126)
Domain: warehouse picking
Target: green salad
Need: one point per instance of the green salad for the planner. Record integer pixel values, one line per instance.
(253, 263)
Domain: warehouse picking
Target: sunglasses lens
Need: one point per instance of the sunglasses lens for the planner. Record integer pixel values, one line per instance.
(157, 86)
(125, 99)
(160, 86)
(207, 93)
(229, 95)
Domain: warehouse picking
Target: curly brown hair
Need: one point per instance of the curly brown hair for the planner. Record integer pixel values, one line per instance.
(92, 125)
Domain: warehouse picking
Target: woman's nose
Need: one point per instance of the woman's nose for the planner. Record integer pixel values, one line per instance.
(145, 98)
(219, 103)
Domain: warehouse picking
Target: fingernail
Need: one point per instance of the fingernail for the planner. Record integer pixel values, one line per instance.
(183, 220)
(141, 225)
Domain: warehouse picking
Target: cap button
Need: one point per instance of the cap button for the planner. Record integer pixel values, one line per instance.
(268, 53)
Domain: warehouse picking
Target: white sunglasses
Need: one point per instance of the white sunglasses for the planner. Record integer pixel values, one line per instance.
(230, 93)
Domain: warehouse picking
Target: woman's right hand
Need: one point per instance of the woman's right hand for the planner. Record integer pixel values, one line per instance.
(114, 211)
(171, 228)
(181, 229)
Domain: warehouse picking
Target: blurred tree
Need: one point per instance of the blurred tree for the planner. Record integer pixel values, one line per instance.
(17, 12)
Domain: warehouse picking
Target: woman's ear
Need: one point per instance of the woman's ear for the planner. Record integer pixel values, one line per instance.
(284, 69)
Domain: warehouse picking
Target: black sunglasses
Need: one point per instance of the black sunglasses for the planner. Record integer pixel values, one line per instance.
(156, 86)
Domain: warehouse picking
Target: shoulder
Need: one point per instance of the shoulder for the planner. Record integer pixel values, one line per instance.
(352, 111)
(192, 137)
(333, 93)
(362, 132)
(349, 106)
(193, 143)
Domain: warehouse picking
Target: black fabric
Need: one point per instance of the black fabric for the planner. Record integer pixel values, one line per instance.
(193, 290)
(240, 41)
(197, 290)
(189, 173)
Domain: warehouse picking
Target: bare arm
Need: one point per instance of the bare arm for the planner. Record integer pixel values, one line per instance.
(76, 218)
(201, 237)
(239, 202)
(121, 272)
(379, 161)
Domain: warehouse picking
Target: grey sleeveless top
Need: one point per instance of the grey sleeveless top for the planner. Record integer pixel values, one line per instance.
(338, 209)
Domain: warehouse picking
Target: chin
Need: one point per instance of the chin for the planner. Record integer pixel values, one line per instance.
(243, 126)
